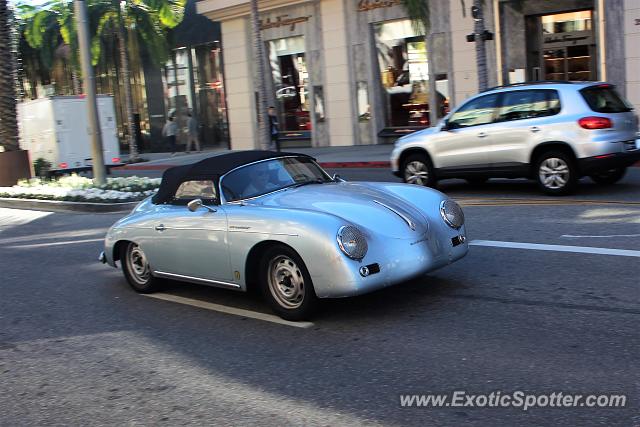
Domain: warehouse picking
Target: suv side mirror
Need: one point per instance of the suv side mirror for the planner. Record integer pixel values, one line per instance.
(447, 126)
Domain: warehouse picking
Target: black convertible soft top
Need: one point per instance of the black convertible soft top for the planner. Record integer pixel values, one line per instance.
(210, 168)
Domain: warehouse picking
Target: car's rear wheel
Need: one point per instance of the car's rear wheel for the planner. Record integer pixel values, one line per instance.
(417, 169)
(286, 284)
(137, 270)
(608, 177)
(556, 173)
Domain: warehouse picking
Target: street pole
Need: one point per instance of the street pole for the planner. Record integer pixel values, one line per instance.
(99, 171)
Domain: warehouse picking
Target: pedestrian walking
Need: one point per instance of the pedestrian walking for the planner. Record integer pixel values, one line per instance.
(192, 133)
(274, 129)
(169, 132)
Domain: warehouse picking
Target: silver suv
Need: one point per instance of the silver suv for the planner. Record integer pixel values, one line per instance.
(553, 132)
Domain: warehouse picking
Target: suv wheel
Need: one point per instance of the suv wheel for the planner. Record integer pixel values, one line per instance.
(556, 173)
(608, 177)
(417, 169)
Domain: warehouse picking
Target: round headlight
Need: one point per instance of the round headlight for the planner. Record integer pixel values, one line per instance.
(352, 242)
(451, 213)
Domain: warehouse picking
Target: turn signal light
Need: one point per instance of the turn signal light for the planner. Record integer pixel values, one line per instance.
(63, 165)
(595, 123)
(115, 160)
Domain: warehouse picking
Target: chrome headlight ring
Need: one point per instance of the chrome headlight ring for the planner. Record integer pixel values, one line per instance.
(451, 213)
(352, 242)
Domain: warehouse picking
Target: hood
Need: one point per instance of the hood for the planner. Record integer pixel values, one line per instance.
(418, 135)
(374, 210)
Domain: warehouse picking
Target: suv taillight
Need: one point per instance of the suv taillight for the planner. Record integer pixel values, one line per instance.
(595, 123)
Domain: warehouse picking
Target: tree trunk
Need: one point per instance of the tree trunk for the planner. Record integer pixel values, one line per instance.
(76, 82)
(264, 134)
(126, 84)
(481, 52)
(8, 103)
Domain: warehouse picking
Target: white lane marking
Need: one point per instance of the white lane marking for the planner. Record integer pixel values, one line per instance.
(556, 248)
(44, 245)
(576, 236)
(229, 310)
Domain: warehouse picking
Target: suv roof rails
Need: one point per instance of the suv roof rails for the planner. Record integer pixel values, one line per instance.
(536, 82)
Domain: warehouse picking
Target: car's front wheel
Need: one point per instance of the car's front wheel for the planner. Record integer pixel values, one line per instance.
(608, 177)
(286, 284)
(137, 270)
(417, 169)
(556, 173)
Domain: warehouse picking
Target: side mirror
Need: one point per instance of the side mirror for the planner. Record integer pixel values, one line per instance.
(336, 178)
(445, 126)
(196, 204)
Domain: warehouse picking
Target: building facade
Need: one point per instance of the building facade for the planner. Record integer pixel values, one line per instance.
(348, 72)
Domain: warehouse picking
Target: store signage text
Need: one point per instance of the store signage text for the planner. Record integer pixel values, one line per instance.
(578, 37)
(283, 21)
(365, 5)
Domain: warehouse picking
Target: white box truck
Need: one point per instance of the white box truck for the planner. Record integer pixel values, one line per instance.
(57, 129)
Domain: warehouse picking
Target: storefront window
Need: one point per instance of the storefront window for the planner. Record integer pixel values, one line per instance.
(194, 84)
(211, 107)
(569, 45)
(567, 22)
(404, 72)
(291, 83)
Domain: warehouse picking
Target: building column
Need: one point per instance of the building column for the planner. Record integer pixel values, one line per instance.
(338, 89)
(238, 85)
(465, 72)
(632, 51)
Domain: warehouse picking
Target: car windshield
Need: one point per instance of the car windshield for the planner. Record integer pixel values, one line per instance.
(270, 175)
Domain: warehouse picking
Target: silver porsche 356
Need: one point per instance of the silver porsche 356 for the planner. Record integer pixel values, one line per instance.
(280, 222)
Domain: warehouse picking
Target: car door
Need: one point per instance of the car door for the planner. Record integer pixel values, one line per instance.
(522, 118)
(466, 136)
(194, 244)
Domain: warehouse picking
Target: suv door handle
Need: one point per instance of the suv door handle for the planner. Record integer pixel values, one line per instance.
(160, 227)
(482, 135)
(535, 129)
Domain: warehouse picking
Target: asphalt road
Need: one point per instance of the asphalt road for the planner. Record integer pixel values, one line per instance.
(78, 347)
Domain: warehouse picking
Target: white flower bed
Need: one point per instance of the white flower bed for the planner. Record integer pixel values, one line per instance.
(79, 189)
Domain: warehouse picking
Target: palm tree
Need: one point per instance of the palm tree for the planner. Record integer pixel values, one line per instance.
(8, 114)
(481, 51)
(49, 28)
(149, 20)
(264, 136)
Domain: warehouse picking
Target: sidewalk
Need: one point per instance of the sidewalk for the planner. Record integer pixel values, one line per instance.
(355, 156)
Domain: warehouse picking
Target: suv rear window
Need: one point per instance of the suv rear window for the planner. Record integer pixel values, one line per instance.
(605, 99)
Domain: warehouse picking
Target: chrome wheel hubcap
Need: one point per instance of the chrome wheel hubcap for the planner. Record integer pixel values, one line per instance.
(554, 173)
(416, 172)
(286, 282)
(138, 265)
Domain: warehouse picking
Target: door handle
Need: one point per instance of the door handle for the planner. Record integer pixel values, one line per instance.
(535, 129)
(160, 227)
(482, 135)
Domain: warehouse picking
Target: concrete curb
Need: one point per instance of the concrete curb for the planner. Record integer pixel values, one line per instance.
(61, 206)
